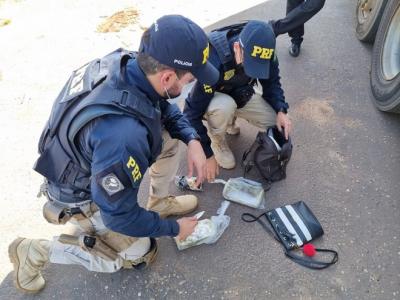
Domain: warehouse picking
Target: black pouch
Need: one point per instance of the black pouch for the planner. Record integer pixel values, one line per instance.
(293, 226)
(242, 95)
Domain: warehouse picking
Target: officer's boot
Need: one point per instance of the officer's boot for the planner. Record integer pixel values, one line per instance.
(28, 257)
(172, 205)
(222, 152)
(294, 49)
(148, 258)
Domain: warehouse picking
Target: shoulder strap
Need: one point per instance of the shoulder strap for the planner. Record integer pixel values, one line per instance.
(250, 218)
(247, 162)
(219, 40)
(312, 263)
(271, 177)
(83, 118)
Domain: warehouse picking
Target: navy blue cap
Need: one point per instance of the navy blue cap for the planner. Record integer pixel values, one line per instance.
(179, 43)
(258, 42)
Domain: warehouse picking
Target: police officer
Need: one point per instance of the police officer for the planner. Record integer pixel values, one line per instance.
(297, 13)
(249, 87)
(109, 124)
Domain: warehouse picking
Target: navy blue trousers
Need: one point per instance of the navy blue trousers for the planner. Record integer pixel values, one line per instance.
(297, 13)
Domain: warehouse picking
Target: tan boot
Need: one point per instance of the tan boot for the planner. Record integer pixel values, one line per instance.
(28, 257)
(222, 152)
(233, 129)
(172, 205)
(144, 261)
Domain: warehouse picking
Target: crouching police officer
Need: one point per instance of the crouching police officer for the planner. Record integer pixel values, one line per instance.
(108, 125)
(249, 87)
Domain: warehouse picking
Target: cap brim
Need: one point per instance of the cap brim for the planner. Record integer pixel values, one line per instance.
(206, 74)
(255, 69)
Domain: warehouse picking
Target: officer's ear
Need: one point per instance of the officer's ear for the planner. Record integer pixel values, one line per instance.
(167, 78)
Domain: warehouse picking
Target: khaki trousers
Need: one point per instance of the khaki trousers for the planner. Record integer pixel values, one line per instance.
(222, 111)
(128, 248)
(162, 173)
(164, 169)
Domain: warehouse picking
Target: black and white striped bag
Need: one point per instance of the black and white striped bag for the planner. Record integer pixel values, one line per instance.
(294, 226)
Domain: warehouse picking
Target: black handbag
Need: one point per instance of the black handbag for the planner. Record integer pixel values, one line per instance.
(270, 153)
(294, 226)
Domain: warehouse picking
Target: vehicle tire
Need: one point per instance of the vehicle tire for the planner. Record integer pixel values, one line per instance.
(385, 67)
(368, 16)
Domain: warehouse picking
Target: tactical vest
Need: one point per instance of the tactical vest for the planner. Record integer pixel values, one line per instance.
(94, 90)
(234, 81)
(219, 39)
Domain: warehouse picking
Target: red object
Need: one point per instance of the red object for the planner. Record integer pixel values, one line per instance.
(309, 250)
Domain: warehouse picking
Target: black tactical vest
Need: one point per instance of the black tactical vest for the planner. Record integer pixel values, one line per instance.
(94, 90)
(219, 39)
(233, 81)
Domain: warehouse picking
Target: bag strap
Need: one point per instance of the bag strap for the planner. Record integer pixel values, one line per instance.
(305, 262)
(311, 263)
(249, 218)
(247, 164)
(272, 174)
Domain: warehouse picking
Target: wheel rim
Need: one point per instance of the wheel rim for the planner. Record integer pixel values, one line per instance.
(365, 10)
(391, 49)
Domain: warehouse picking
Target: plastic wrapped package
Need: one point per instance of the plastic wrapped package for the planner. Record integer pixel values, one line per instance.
(207, 231)
(203, 230)
(220, 222)
(187, 183)
(244, 191)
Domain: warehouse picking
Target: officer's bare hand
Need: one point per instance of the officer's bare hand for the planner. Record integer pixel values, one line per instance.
(283, 122)
(212, 168)
(186, 227)
(196, 160)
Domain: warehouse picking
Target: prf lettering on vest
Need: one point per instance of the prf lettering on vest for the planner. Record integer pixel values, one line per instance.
(207, 88)
(264, 53)
(206, 53)
(134, 168)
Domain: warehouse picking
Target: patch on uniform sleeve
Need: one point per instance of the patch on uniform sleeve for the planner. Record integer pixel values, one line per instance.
(113, 181)
(207, 88)
(133, 166)
(111, 184)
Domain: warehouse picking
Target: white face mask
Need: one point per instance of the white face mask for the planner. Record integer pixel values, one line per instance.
(166, 92)
(174, 94)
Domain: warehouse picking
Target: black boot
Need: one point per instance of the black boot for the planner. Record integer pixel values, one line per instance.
(294, 49)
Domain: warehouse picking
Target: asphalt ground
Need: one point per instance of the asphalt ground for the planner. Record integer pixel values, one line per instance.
(345, 166)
